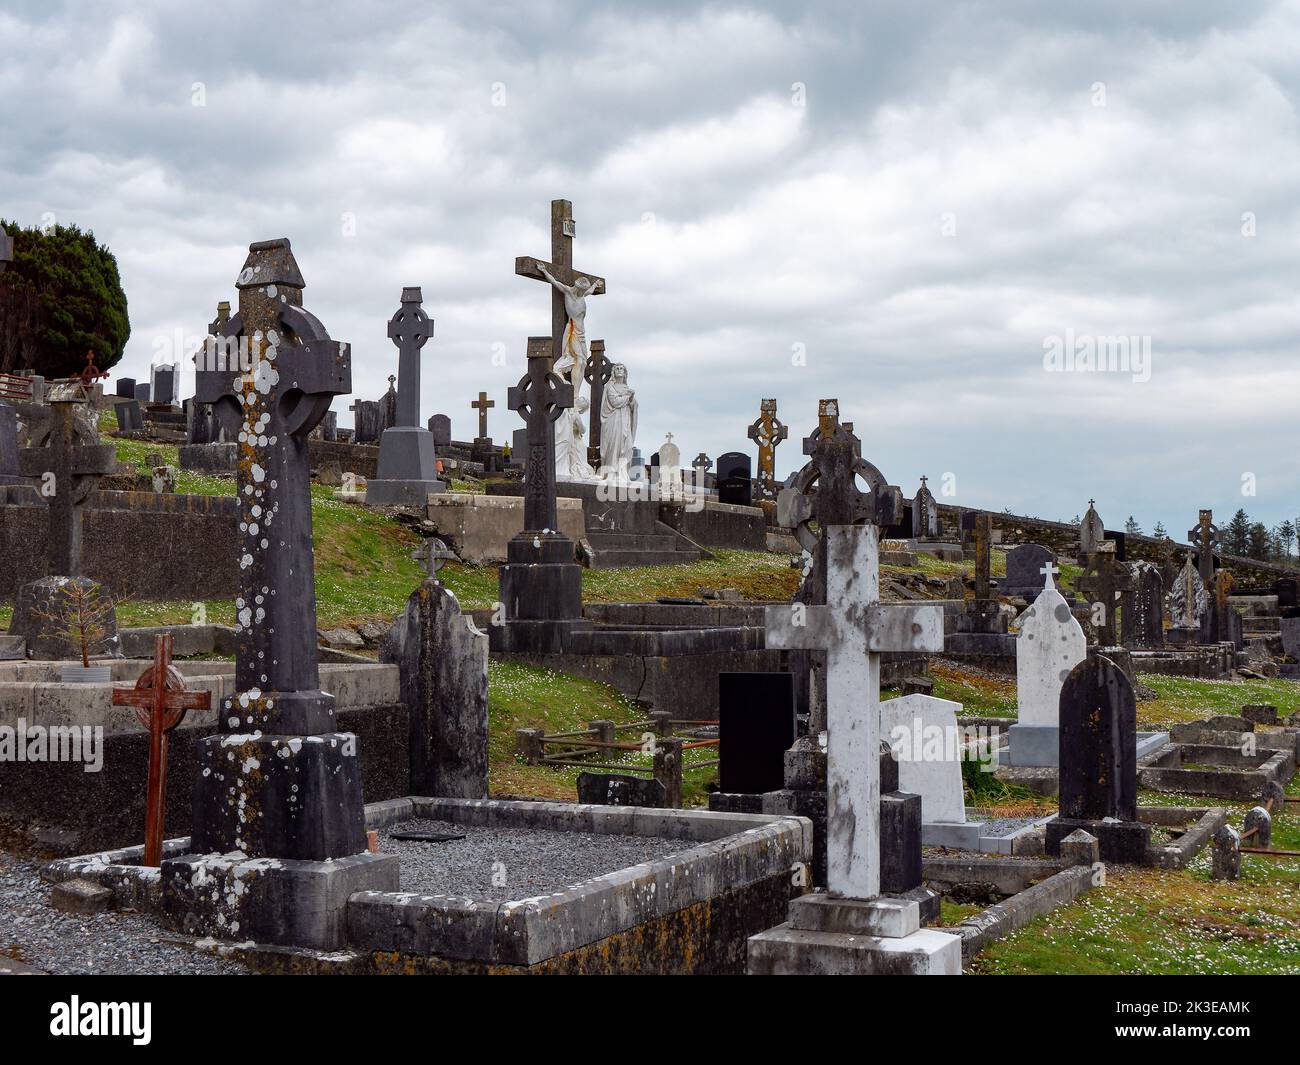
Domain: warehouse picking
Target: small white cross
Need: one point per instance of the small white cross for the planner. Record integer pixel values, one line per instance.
(1049, 571)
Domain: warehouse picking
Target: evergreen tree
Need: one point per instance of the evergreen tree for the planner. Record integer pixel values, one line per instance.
(1159, 531)
(59, 298)
(1236, 537)
(1259, 544)
(1285, 536)
(1132, 527)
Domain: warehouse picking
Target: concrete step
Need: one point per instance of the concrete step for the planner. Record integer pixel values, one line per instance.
(618, 557)
(607, 541)
(13, 647)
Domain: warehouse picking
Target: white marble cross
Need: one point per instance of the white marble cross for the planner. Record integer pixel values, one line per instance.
(853, 629)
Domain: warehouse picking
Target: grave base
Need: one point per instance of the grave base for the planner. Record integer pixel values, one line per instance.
(397, 493)
(1124, 842)
(1040, 745)
(271, 900)
(854, 937)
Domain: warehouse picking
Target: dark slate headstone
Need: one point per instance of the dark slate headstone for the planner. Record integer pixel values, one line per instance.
(1286, 588)
(734, 464)
(1142, 622)
(126, 387)
(1118, 538)
(129, 418)
(164, 384)
(519, 447)
(142, 392)
(612, 789)
(368, 421)
(9, 445)
(440, 427)
(1098, 762)
(756, 727)
(1025, 564)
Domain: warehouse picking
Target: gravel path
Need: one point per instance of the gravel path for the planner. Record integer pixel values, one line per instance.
(34, 933)
(497, 865)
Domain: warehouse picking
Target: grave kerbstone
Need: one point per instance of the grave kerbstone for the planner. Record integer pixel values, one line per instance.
(1098, 763)
(613, 789)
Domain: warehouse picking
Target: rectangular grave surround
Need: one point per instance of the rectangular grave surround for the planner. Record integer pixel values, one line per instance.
(688, 911)
(1209, 769)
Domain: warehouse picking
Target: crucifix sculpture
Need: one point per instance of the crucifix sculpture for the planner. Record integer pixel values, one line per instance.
(852, 628)
(483, 405)
(1106, 581)
(295, 371)
(1204, 536)
(767, 431)
(597, 374)
(68, 461)
(161, 701)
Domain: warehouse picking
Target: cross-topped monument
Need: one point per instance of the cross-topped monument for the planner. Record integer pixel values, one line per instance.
(561, 269)
(67, 460)
(408, 463)
(1204, 536)
(767, 431)
(852, 629)
(597, 374)
(483, 405)
(6, 250)
(1106, 581)
(540, 397)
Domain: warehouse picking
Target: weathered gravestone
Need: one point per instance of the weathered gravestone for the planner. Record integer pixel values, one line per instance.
(1024, 577)
(1098, 763)
(858, 931)
(1051, 643)
(925, 513)
(408, 466)
(1287, 590)
(443, 661)
(126, 387)
(1107, 585)
(540, 586)
(613, 789)
(1092, 533)
(922, 732)
(164, 384)
(1188, 603)
(1222, 621)
(278, 784)
(440, 427)
(367, 421)
(142, 392)
(129, 417)
(1143, 621)
(756, 726)
(9, 445)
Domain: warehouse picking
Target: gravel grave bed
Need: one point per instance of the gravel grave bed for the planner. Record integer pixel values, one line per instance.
(1005, 826)
(503, 864)
(32, 932)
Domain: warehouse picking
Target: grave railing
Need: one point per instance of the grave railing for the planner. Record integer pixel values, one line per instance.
(656, 736)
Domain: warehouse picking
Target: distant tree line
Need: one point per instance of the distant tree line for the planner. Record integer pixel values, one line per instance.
(1246, 538)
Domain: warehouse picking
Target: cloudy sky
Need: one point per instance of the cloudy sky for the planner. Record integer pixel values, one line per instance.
(908, 208)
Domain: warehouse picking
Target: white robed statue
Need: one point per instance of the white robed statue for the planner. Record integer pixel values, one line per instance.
(617, 424)
(570, 451)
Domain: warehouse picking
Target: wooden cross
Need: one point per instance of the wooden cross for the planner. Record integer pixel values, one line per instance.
(767, 431)
(560, 268)
(483, 405)
(1105, 582)
(853, 628)
(597, 374)
(540, 397)
(1205, 538)
(161, 701)
(68, 461)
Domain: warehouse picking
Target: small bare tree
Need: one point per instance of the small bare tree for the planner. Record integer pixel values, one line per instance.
(81, 618)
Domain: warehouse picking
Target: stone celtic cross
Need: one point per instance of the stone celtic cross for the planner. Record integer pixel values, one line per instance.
(767, 431)
(597, 374)
(1106, 581)
(68, 461)
(540, 397)
(1205, 537)
(409, 328)
(853, 628)
(482, 405)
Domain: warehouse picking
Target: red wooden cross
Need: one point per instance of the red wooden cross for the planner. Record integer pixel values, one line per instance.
(160, 700)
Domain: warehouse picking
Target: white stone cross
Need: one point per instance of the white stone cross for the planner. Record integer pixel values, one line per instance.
(1049, 571)
(853, 629)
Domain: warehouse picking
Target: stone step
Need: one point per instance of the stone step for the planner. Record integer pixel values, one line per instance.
(607, 541)
(617, 558)
(13, 647)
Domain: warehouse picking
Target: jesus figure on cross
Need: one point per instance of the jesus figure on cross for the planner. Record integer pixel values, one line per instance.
(570, 460)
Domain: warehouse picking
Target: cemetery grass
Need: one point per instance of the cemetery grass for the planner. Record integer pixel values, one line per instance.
(523, 696)
(1188, 699)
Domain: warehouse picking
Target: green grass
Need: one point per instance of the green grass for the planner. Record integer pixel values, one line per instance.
(1188, 699)
(522, 696)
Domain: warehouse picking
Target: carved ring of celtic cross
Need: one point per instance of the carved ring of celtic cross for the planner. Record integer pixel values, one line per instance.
(301, 409)
(410, 322)
(606, 371)
(797, 502)
(550, 403)
(84, 435)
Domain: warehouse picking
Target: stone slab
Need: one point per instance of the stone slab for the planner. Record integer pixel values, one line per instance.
(788, 951)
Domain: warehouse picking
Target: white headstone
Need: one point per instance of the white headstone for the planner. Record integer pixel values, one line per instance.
(1050, 644)
(853, 628)
(923, 733)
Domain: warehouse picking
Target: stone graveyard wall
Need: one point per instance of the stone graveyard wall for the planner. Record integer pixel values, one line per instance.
(718, 525)
(147, 545)
(361, 459)
(74, 812)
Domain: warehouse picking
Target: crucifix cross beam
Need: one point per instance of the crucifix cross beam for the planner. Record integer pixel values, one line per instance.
(1106, 582)
(853, 629)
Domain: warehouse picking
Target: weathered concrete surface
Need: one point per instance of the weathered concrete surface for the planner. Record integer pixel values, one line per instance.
(442, 658)
(1020, 909)
(787, 951)
(478, 527)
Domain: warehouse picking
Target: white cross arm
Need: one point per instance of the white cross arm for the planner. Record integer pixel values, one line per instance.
(888, 627)
(796, 627)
